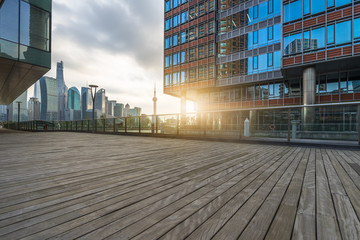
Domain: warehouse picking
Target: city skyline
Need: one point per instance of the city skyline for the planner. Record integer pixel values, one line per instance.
(126, 60)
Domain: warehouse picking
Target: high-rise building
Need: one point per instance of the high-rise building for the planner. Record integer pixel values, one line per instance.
(119, 110)
(34, 109)
(49, 99)
(111, 106)
(13, 108)
(63, 91)
(100, 101)
(86, 102)
(255, 55)
(3, 113)
(136, 111)
(25, 45)
(73, 111)
(126, 110)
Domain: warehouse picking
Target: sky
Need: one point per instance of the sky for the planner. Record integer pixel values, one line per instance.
(115, 44)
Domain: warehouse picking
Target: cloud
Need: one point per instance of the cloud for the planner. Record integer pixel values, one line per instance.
(117, 45)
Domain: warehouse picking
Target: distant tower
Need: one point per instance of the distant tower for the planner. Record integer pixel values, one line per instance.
(62, 91)
(127, 110)
(155, 99)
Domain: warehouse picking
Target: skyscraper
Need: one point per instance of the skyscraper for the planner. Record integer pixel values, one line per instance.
(49, 99)
(62, 88)
(25, 45)
(100, 100)
(86, 102)
(119, 110)
(253, 55)
(73, 111)
(111, 106)
(34, 109)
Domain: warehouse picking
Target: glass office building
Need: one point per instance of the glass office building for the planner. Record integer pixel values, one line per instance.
(255, 56)
(25, 45)
(49, 99)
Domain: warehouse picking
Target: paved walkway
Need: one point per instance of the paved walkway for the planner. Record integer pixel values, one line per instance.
(93, 186)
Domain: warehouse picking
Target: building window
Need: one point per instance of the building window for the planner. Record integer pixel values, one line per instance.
(342, 2)
(183, 37)
(167, 61)
(175, 20)
(343, 32)
(211, 27)
(175, 59)
(270, 33)
(192, 74)
(184, 16)
(175, 78)
(175, 40)
(317, 38)
(270, 59)
(270, 6)
(167, 24)
(357, 28)
(175, 3)
(167, 42)
(192, 34)
(167, 79)
(183, 76)
(255, 64)
(167, 5)
(256, 11)
(330, 34)
(317, 6)
(183, 56)
(255, 38)
(330, 3)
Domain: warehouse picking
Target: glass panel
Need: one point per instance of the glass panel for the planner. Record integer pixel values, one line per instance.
(317, 38)
(342, 2)
(354, 81)
(332, 85)
(357, 28)
(270, 59)
(330, 3)
(34, 27)
(306, 7)
(9, 50)
(330, 34)
(44, 4)
(9, 21)
(343, 32)
(270, 33)
(317, 6)
(35, 56)
(295, 12)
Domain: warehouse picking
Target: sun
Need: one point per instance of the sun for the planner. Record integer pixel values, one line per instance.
(190, 107)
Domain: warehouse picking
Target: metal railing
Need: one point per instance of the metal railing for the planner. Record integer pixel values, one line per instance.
(334, 122)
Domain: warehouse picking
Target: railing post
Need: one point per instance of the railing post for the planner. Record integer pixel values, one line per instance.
(76, 126)
(156, 125)
(66, 123)
(95, 125)
(288, 113)
(88, 125)
(240, 124)
(178, 124)
(114, 122)
(125, 124)
(139, 124)
(104, 127)
(82, 126)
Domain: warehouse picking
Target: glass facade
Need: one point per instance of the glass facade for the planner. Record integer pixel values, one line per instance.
(25, 31)
(49, 99)
(73, 99)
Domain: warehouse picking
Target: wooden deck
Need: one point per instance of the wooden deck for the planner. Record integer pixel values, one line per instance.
(92, 186)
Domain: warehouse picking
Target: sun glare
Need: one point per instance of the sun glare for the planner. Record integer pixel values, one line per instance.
(190, 107)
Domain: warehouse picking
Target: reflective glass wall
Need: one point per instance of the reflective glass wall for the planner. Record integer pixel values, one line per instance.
(25, 31)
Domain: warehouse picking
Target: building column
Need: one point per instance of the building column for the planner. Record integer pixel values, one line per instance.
(309, 94)
(183, 111)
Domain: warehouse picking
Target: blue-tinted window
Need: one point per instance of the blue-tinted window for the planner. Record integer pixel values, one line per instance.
(256, 11)
(342, 2)
(183, 37)
(175, 21)
(184, 16)
(167, 6)
(357, 28)
(250, 40)
(175, 78)
(277, 6)
(167, 61)
(175, 40)
(330, 34)
(167, 24)
(167, 80)
(175, 3)
(262, 38)
(287, 45)
(330, 3)
(277, 59)
(317, 38)
(295, 43)
(255, 37)
(306, 7)
(317, 6)
(9, 21)
(175, 59)
(287, 12)
(167, 42)
(270, 59)
(270, 33)
(183, 57)
(292, 11)
(343, 32)
(250, 65)
(183, 77)
(306, 40)
(262, 63)
(263, 10)
(255, 62)
(277, 32)
(270, 6)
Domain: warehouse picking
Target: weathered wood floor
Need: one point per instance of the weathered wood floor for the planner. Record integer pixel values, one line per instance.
(71, 185)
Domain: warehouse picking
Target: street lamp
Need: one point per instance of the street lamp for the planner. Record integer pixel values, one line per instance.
(18, 102)
(93, 95)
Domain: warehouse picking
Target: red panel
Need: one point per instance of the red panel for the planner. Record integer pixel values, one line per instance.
(288, 101)
(335, 98)
(298, 59)
(357, 8)
(273, 102)
(320, 55)
(347, 50)
(309, 57)
(176, 49)
(309, 22)
(356, 96)
(288, 61)
(326, 98)
(334, 53)
(297, 101)
(356, 48)
(288, 28)
(347, 97)
(334, 15)
(321, 19)
(245, 104)
(347, 12)
(298, 25)
(259, 103)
